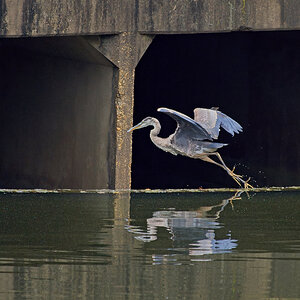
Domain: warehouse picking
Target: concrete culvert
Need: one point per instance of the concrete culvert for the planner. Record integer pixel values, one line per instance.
(56, 114)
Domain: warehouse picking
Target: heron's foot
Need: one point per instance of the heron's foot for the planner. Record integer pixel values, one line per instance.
(236, 178)
(246, 183)
(233, 174)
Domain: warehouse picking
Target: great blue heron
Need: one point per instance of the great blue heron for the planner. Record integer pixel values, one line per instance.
(194, 138)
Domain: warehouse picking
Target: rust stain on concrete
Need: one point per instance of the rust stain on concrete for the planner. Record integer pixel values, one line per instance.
(124, 50)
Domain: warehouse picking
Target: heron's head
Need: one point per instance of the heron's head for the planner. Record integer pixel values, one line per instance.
(149, 121)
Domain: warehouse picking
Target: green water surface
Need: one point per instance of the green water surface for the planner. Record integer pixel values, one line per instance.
(150, 246)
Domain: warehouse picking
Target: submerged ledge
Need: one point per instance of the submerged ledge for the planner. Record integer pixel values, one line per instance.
(154, 191)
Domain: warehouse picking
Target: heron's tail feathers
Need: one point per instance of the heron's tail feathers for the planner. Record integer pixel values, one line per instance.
(211, 147)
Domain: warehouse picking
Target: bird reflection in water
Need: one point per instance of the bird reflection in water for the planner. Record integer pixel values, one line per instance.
(191, 232)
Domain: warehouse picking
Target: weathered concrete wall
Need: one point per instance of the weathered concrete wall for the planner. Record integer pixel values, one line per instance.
(56, 116)
(115, 28)
(55, 17)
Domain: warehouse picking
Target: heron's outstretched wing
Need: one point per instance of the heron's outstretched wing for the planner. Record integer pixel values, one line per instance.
(187, 132)
(212, 120)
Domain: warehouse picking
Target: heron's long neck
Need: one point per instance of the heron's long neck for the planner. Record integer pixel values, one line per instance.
(156, 130)
(161, 143)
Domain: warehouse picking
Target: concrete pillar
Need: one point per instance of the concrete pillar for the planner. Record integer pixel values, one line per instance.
(124, 51)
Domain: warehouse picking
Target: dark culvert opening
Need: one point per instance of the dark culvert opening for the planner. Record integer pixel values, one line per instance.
(56, 113)
(252, 76)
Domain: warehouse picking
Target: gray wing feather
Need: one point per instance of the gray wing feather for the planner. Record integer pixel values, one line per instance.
(212, 120)
(187, 128)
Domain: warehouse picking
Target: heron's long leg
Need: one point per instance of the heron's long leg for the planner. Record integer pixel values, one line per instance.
(222, 161)
(208, 159)
(231, 173)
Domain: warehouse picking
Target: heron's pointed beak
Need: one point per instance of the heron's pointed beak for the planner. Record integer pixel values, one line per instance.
(134, 127)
